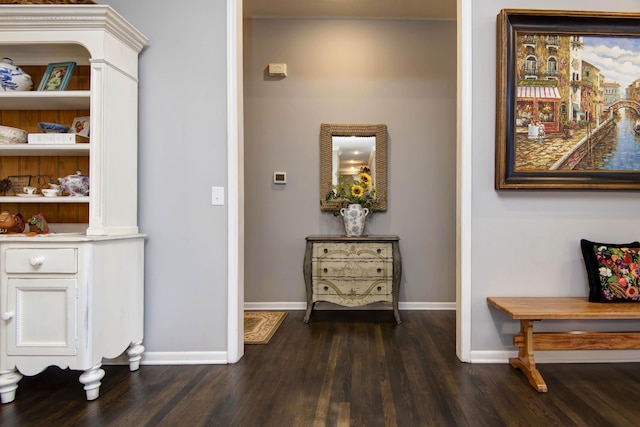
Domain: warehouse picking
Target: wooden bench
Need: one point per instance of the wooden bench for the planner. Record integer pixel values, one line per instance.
(530, 309)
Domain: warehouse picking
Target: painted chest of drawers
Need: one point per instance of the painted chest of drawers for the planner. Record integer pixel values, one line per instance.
(352, 271)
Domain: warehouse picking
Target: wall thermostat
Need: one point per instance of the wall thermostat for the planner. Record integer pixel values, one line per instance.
(279, 177)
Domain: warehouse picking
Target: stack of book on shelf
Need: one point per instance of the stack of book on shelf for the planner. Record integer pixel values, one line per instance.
(55, 138)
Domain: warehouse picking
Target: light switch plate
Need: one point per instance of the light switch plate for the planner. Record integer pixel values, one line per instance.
(217, 196)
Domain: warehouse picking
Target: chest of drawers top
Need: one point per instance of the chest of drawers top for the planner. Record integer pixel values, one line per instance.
(339, 238)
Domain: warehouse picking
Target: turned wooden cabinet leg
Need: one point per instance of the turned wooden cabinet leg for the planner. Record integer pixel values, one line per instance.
(135, 355)
(8, 384)
(91, 380)
(525, 361)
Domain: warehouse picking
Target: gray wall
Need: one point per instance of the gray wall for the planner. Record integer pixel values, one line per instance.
(402, 73)
(527, 243)
(182, 155)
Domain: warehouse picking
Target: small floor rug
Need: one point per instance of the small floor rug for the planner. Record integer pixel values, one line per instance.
(259, 326)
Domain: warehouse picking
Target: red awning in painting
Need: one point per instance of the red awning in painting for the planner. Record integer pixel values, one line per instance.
(538, 92)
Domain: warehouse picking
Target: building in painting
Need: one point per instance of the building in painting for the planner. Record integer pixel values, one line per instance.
(592, 91)
(542, 74)
(633, 91)
(611, 93)
(576, 44)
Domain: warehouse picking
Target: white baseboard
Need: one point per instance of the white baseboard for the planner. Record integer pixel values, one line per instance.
(564, 356)
(174, 358)
(184, 358)
(491, 356)
(427, 306)
(272, 306)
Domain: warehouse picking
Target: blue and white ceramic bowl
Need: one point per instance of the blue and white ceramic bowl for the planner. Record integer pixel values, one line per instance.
(52, 127)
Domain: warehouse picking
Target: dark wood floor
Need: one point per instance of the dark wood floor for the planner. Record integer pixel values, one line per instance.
(343, 368)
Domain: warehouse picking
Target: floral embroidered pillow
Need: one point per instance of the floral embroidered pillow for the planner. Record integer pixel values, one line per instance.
(613, 271)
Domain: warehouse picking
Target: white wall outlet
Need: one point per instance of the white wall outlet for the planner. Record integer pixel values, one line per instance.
(217, 196)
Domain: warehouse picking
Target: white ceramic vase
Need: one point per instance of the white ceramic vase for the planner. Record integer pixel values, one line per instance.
(354, 217)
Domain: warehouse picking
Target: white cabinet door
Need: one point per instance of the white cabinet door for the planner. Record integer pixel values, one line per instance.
(42, 316)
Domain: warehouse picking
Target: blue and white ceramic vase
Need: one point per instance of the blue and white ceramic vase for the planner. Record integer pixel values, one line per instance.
(354, 217)
(13, 78)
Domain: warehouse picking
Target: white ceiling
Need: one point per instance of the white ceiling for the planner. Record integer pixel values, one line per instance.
(398, 9)
(354, 152)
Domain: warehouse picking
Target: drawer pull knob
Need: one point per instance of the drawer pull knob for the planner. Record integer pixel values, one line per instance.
(326, 270)
(326, 250)
(379, 288)
(326, 288)
(36, 260)
(379, 270)
(7, 315)
(379, 251)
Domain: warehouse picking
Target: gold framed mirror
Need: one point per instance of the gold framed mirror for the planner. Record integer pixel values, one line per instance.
(338, 151)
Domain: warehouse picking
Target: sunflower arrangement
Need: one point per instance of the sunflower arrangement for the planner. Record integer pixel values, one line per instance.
(355, 191)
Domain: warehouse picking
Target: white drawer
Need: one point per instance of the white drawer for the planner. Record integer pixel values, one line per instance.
(34, 260)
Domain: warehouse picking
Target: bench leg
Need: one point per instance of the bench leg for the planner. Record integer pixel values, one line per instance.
(525, 361)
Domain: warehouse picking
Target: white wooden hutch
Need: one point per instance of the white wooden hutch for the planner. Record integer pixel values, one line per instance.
(75, 296)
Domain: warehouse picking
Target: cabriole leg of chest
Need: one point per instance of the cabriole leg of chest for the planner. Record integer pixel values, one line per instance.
(397, 276)
(306, 271)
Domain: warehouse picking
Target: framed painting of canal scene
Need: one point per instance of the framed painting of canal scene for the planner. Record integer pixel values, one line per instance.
(568, 100)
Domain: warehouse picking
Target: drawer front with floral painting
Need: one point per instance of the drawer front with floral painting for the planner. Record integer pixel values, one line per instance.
(352, 274)
(352, 271)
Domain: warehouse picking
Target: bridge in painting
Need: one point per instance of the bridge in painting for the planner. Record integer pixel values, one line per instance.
(626, 103)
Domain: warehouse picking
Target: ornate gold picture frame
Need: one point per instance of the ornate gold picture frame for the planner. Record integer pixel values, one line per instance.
(568, 100)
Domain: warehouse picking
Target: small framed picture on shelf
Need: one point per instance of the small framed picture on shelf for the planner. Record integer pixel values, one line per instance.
(80, 126)
(57, 76)
(18, 182)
